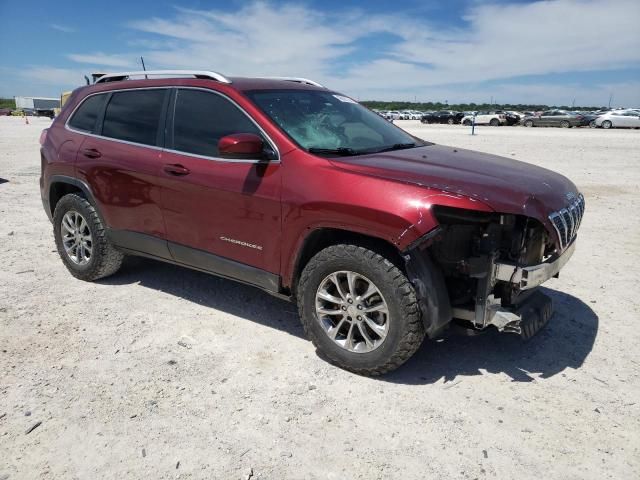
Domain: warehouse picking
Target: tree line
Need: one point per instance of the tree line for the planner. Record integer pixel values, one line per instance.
(464, 107)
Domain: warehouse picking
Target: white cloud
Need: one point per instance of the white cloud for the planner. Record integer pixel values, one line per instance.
(103, 59)
(499, 41)
(62, 28)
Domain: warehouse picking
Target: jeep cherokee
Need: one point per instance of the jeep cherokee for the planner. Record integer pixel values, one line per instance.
(381, 238)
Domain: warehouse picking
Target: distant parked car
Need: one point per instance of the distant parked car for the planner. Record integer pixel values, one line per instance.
(553, 118)
(589, 118)
(619, 119)
(412, 115)
(394, 115)
(443, 116)
(5, 112)
(486, 118)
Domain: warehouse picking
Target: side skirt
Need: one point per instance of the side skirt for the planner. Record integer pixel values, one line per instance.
(148, 246)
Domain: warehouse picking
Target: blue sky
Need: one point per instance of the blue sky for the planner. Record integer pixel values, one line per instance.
(553, 52)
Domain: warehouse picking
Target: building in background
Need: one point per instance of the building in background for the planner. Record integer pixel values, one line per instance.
(40, 106)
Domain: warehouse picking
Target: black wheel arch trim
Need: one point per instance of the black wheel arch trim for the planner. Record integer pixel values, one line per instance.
(431, 290)
(82, 186)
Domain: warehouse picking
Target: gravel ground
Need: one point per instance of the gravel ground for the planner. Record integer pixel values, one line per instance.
(160, 372)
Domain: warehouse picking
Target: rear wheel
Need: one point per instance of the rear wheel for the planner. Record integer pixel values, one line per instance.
(451, 121)
(592, 124)
(564, 124)
(359, 310)
(494, 122)
(81, 240)
(528, 123)
(467, 123)
(607, 124)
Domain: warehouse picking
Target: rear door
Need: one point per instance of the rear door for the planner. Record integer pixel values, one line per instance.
(219, 209)
(121, 163)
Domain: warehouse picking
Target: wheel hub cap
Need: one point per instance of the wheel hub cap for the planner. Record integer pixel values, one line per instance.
(352, 311)
(76, 238)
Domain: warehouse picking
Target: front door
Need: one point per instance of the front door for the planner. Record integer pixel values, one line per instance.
(221, 215)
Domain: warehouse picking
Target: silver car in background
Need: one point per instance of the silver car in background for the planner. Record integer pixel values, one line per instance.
(619, 119)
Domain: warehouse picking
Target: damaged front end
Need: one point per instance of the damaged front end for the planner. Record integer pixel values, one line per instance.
(489, 265)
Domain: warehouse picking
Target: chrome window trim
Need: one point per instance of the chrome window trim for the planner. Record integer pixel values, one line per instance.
(162, 149)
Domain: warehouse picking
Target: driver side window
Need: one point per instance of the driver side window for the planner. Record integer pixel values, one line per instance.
(202, 118)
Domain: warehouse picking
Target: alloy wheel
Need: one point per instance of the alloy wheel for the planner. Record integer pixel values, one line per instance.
(352, 311)
(76, 238)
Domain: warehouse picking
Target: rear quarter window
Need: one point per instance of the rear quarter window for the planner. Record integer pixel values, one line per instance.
(85, 117)
(134, 116)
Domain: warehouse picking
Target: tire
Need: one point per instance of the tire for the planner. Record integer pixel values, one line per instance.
(425, 121)
(451, 121)
(565, 124)
(528, 123)
(494, 122)
(467, 123)
(104, 258)
(402, 322)
(592, 124)
(607, 124)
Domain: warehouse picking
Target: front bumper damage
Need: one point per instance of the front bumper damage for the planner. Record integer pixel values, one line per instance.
(530, 312)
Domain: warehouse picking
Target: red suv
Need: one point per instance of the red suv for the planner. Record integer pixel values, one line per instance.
(380, 237)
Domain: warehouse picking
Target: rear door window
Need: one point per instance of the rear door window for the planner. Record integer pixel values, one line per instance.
(134, 115)
(202, 118)
(86, 116)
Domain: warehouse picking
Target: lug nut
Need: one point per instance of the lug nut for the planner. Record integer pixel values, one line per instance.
(344, 308)
(350, 301)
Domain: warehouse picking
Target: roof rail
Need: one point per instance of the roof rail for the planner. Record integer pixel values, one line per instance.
(296, 79)
(114, 77)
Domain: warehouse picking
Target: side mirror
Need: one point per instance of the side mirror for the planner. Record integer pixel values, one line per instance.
(241, 146)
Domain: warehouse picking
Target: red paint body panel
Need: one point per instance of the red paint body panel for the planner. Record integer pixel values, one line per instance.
(125, 182)
(233, 200)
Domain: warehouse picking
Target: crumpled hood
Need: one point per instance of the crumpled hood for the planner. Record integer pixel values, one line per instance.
(505, 185)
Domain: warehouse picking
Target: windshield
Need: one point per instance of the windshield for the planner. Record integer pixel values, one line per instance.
(327, 123)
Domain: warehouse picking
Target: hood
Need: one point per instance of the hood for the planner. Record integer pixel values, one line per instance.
(505, 185)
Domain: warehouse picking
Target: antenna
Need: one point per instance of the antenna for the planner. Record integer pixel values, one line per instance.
(143, 67)
(610, 99)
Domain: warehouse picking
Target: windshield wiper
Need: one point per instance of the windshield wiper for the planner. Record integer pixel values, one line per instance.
(397, 146)
(342, 151)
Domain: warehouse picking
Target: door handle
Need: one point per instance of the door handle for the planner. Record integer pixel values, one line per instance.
(176, 169)
(91, 153)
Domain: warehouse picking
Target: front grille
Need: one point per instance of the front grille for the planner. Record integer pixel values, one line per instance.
(567, 221)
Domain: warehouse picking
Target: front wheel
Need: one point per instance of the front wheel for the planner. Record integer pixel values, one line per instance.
(451, 121)
(607, 124)
(359, 310)
(528, 123)
(494, 122)
(592, 124)
(467, 123)
(564, 124)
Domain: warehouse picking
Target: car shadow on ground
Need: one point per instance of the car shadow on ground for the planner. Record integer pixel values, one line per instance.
(210, 291)
(564, 343)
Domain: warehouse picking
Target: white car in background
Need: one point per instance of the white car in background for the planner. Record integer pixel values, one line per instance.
(619, 119)
(394, 115)
(485, 118)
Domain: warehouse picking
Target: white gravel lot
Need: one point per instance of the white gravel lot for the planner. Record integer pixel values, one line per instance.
(101, 367)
